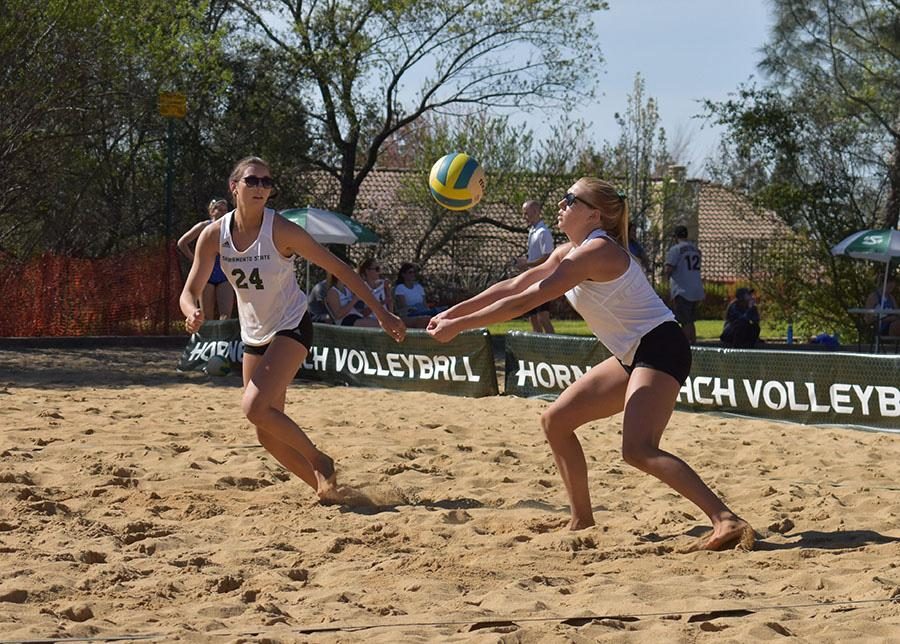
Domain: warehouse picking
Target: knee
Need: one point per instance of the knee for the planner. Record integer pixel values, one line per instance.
(255, 409)
(637, 455)
(551, 426)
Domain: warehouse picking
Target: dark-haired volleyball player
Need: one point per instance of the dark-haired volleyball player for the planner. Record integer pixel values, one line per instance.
(255, 245)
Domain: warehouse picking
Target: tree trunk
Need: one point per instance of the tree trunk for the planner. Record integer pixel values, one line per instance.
(349, 184)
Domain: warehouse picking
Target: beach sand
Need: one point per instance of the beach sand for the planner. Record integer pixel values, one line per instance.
(134, 500)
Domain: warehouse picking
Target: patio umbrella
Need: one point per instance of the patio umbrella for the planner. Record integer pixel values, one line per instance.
(874, 245)
(328, 227)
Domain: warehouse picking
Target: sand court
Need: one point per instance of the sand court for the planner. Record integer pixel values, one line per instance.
(134, 500)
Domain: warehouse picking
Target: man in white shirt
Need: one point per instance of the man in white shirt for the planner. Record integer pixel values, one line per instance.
(685, 285)
(540, 245)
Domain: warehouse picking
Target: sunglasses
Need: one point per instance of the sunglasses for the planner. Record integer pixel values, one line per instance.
(254, 181)
(570, 199)
(375, 268)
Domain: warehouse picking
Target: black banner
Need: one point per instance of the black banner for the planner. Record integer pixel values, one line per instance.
(368, 357)
(814, 388)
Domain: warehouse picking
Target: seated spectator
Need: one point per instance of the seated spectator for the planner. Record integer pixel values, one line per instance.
(741, 329)
(890, 324)
(318, 307)
(370, 270)
(409, 298)
(341, 303)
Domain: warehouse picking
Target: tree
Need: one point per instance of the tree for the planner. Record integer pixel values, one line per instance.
(819, 144)
(641, 152)
(359, 58)
(847, 53)
(80, 135)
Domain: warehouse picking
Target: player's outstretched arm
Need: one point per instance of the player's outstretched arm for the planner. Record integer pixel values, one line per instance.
(291, 239)
(508, 288)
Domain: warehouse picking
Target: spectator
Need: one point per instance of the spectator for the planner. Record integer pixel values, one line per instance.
(890, 324)
(217, 298)
(370, 270)
(685, 285)
(409, 298)
(341, 302)
(318, 308)
(741, 329)
(540, 245)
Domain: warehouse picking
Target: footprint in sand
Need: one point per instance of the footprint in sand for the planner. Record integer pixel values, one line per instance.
(366, 496)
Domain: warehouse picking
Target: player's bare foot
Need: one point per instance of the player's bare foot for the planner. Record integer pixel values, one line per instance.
(728, 534)
(326, 477)
(580, 524)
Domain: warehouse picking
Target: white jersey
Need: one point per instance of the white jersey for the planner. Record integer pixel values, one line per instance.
(268, 296)
(621, 311)
(540, 242)
(685, 258)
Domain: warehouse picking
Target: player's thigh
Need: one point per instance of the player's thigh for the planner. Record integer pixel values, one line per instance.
(649, 402)
(269, 375)
(599, 393)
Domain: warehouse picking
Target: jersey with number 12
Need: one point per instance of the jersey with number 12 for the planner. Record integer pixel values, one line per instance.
(685, 281)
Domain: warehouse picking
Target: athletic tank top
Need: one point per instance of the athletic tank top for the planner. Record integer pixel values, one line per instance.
(380, 295)
(344, 297)
(621, 311)
(268, 296)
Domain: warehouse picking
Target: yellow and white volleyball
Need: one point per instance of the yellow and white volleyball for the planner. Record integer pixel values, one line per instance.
(456, 181)
(217, 366)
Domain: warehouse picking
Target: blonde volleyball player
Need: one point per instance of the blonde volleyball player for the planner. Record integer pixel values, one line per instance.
(255, 246)
(650, 362)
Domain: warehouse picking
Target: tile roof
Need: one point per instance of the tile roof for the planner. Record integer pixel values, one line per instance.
(390, 203)
(733, 234)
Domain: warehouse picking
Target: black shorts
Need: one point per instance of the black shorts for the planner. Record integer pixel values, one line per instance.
(350, 319)
(685, 310)
(665, 349)
(303, 334)
(540, 307)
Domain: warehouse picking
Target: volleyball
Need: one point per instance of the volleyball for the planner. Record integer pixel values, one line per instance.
(456, 181)
(217, 366)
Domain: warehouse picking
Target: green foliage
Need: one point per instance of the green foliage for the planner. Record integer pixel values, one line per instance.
(79, 129)
(359, 58)
(820, 146)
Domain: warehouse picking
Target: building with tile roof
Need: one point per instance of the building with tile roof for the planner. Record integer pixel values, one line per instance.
(467, 251)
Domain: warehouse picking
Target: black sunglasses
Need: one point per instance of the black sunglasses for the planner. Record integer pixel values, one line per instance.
(569, 198)
(254, 181)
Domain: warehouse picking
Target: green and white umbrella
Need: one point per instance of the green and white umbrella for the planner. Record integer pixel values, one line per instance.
(874, 245)
(328, 227)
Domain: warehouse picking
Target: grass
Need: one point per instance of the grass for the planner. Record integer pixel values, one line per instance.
(707, 330)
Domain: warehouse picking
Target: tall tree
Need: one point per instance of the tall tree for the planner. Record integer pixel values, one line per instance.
(359, 60)
(79, 130)
(819, 143)
(641, 152)
(847, 52)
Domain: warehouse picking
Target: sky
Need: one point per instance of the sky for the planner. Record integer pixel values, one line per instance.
(686, 51)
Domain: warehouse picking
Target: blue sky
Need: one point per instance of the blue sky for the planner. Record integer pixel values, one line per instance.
(686, 50)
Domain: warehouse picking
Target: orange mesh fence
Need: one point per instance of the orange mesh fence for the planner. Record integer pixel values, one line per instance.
(135, 293)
